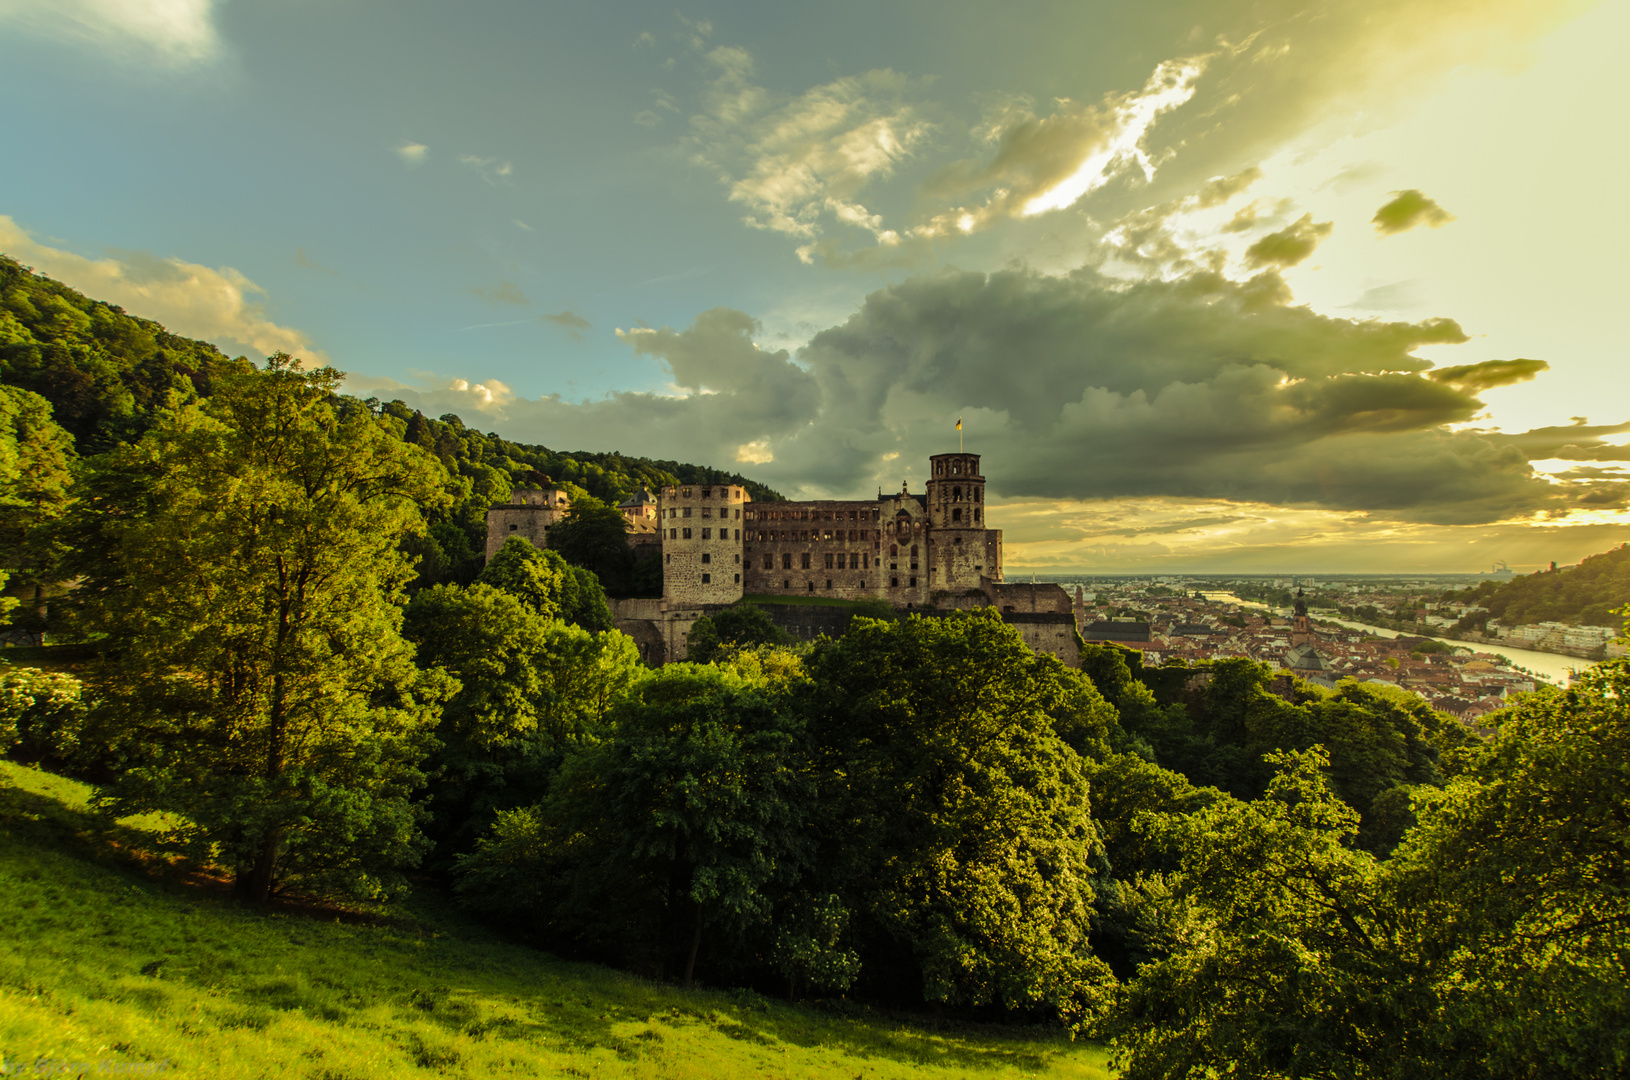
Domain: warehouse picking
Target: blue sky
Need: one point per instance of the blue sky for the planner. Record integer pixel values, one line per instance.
(1214, 286)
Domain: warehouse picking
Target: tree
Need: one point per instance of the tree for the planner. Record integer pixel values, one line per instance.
(594, 536)
(681, 820)
(246, 573)
(548, 585)
(36, 459)
(531, 690)
(714, 637)
(937, 741)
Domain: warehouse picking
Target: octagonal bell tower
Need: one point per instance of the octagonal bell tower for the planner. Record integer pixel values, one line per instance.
(960, 554)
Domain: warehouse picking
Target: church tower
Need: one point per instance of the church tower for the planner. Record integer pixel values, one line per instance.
(1301, 631)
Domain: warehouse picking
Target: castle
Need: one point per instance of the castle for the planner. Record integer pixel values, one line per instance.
(930, 553)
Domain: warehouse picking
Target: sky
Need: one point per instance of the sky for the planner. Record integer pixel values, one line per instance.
(1260, 287)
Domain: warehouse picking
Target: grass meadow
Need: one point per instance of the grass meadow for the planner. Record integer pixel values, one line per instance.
(111, 962)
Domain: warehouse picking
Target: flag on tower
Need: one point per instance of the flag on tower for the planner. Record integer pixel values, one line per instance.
(959, 423)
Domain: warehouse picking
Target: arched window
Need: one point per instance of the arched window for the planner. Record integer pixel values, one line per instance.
(956, 515)
(956, 494)
(894, 550)
(913, 551)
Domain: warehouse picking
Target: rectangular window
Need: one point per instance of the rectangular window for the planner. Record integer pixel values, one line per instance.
(706, 557)
(707, 579)
(854, 560)
(769, 562)
(828, 583)
(738, 513)
(829, 560)
(786, 560)
(865, 562)
(685, 512)
(707, 534)
(738, 579)
(913, 582)
(673, 534)
(805, 560)
(707, 511)
(707, 493)
(687, 534)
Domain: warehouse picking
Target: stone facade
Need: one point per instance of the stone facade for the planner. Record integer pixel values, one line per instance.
(529, 514)
(701, 529)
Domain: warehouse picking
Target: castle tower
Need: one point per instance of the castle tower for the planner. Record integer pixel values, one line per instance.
(701, 531)
(962, 554)
(529, 514)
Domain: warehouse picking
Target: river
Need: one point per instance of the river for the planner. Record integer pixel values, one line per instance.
(1552, 666)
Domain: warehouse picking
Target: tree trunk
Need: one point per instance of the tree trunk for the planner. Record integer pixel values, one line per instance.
(695, 947)
(259, 889)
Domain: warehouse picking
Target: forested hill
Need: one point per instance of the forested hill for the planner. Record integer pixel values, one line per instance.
(105, 372)
(1583, 595)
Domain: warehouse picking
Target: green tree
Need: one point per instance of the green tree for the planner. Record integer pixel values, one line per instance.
(246, 573)
(546, 583)
(531, 690)
(745, 626)
(36, 461)
(938, 742)
(594, 536)
(681, 820)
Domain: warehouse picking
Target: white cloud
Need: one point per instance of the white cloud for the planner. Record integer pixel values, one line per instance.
(414, 153)
(189, 299)
(492, 170)
(756, 452)
(176, 32)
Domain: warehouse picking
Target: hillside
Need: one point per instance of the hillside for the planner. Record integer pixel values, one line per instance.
(1583, 595)
(102, 963)
(105, 372)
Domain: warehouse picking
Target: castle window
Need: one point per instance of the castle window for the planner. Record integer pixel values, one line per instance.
(707, 579)
(706, 557)
(956, 494)
(738, 579)
(707, 511)
(956, 466)
(707, 493)
(738, 560)
(894, 583)
(828, 583)
(512, 528)
(976, 513)
(769, 562)
(786, 560)
(738, 515)
(685, 494)
(851, 515)
(826, 534)
(956, 515)
(894, 550)
(673, 534)
(667, 558)
(829, 562)
(687, 534)
(811, 586)
(958, 540)
(786, 584)
(912, 582)
(913, 551)
(686, 513)
(707, 534)
(854, 561)
(974, 494)
(804, 560)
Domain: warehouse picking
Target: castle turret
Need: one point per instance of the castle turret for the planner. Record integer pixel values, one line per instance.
(964, 554)
(529, 515)
(701, 544)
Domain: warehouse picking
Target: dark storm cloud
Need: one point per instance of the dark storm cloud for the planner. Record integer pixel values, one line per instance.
(1081, 386)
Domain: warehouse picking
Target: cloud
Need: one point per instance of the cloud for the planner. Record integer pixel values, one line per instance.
(491, 170)
(196, 301)
(799, 165)
(573, 323)
(505, 292)
(1396, 296)
(1079, 386)
(170, 32)
(1407, 210)
(1476, 378)
(414, 153)
(1290, 245)
(523, 226)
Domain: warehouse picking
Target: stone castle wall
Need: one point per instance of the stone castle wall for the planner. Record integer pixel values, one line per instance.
(701, 544)
(529, 515)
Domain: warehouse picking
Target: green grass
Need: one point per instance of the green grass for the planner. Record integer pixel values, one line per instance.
(104, 963)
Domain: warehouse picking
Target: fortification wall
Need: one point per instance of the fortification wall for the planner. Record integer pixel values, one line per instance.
(702, 544)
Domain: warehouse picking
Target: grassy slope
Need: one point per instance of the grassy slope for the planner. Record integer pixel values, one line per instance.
(102, 963)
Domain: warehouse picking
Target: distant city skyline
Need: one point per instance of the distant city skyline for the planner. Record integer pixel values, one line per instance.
(1213, 288)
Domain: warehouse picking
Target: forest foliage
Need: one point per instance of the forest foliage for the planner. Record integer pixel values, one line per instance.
(1589, 594)
(1220, 871)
